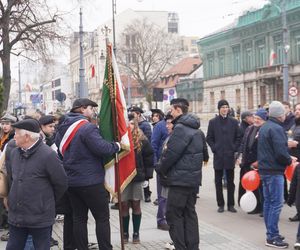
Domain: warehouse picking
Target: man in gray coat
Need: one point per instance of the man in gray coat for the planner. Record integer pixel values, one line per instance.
(37, 181)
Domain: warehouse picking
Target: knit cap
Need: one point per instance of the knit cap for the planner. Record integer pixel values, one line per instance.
(262, 113)
(276, 109)
(222, 103)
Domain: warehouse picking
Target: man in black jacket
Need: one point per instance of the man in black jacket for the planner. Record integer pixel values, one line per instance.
(224, 138)
(180, 169)
(32, 210)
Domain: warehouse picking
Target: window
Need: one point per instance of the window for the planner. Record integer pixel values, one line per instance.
(134, 59)
(210, 68)
(223, 94)
(221, 65)
(261, 57)
(298, 48)
(250, 98)
(212, 101)
(236, 59)
(263, 95)
(127, 40)
(238, 97)
(248, 59)
(279, 52)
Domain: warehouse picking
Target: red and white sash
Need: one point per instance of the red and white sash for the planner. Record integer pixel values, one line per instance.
(69, 135)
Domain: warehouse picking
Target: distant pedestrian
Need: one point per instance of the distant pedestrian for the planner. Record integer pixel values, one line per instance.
(224, 138)
(273, 157)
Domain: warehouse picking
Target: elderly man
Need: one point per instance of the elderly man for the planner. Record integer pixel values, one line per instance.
(273, 157)
(32, 164)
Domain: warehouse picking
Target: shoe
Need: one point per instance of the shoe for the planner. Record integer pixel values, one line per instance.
(276, 243)
(297, 245)
(170, 245)
(155, 202)
(232, 209)
(4, 237)
(163, 226)
(261, 215)
(220, 209)
(135, 238)
(254, 212)
(126, 238)
(147, 199)
(281, 237)
(115, 206)
(53, 242)
(295, 218)
(93, 246)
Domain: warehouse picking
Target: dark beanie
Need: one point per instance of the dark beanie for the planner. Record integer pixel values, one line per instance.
(222, 103)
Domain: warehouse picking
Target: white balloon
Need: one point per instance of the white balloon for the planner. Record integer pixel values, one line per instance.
(248, 202)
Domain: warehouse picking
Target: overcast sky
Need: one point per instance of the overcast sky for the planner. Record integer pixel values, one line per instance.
(196, 17)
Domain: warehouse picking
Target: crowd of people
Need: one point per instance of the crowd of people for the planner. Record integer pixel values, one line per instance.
(63, 156)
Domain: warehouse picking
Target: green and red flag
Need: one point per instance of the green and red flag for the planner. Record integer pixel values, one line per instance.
(114, 126)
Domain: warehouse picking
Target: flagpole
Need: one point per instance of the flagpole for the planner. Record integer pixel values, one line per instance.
(116, 136)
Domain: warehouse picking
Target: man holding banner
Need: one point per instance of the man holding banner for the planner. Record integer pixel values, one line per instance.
(82, 150)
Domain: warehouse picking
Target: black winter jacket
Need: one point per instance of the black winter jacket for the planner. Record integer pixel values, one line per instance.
(224, 138)
(144, 162)
(294, 192)
(37, 181)
(181, 163)
(272, 151)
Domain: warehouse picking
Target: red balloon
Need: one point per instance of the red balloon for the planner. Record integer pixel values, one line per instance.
(251, 180)
(289, 171)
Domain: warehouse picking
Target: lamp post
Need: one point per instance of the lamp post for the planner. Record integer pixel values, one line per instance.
(114, 10)
(83, 92)
(286, 47)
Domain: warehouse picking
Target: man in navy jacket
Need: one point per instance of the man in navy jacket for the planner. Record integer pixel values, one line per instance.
(273, 157)
(82, 160)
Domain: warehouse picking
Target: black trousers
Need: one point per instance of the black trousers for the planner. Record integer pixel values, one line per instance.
(182, 218)
(219, 187)
(63, 206)
(94, 198)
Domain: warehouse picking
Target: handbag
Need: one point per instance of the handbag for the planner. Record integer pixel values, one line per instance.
(3, 176)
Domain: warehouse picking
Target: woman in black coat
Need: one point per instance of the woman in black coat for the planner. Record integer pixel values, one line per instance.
(133, 193)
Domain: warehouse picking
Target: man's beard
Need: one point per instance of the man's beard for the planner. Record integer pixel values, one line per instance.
(297, 120)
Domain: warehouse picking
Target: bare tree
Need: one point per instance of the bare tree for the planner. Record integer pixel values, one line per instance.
(146, 51)
(25, 26)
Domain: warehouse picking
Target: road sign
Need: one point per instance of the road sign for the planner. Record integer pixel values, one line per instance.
(293, 91)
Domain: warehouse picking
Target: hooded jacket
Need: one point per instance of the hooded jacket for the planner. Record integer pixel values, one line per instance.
(83, 159)
(181, 162)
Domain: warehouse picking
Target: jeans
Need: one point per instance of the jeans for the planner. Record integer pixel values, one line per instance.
(94, 198)
(29, 243)
(162, 202)
(18, 237)
(273, 202)
(182, 218)
(219, 187)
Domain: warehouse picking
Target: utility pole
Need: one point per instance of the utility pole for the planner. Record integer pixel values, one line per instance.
(83, 92)
(20, 90)
(114, 10)
(286, 47)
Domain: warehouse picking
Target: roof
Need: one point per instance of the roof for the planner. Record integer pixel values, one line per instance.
(133, 82)
(184, 67)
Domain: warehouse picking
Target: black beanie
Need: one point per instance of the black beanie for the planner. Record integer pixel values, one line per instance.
(222, 103)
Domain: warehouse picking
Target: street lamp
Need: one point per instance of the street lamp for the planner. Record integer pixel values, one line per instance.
(285, 69)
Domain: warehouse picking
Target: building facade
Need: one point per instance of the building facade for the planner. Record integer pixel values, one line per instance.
(243, 63)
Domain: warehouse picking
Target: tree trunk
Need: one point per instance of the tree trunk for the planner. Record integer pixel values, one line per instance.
(6, 81)
(5, 58)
